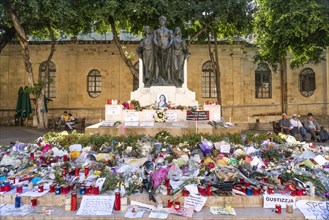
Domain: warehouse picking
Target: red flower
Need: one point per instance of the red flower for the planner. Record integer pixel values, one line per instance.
(211, 165)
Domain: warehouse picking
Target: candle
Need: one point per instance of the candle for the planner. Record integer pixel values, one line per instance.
(86, 171)
(34, 201)
(67, 204)
(117, 201)
(208, 190)
(73, 202)
(76, 171)
(170, 203)
(278, 208)
(185, 192)
(228, 206)
(289, 208)
(124, 203)
(40, 188)
(19, 189)
(177, 205)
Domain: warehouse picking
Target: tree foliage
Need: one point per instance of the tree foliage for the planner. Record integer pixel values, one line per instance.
(300, 28)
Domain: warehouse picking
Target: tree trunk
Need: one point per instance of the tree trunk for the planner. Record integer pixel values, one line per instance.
(41, 111)
(23, 41)
(219, 97)
(128, 62)
(284, 91)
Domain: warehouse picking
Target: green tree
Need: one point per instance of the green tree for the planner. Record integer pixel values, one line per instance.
(34, 18)
(300, 28)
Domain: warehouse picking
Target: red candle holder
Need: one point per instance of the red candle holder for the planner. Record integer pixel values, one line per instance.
(241, 180)
(96, 190)
(177, 205)
(7, 188)
(52, 188)
(247, 184)
(73, 202)
(299, 192)
(76, 171)
(265, 179)
(293, 193)
(2, 188)
(167, 183)
(208, 189)
(64, 173)
(64, 189)
(31, 156)
(168, 190)
(86, 171)
(270, 190)
(185, 192)
(170, 203)
(256, 191)
(40, 188)
(65, 158)
(244, 189)
(87, 190)
(34, 201)
(19, 189)
(304, 192)
(202, 190)
(117, 201)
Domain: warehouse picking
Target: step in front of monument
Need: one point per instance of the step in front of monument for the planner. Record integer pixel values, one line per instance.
(50, 199)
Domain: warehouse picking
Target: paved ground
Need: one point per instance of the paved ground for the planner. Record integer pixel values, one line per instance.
(16, 133)
(29, 135)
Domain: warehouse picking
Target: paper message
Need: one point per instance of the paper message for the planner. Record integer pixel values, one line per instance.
(100, 182)
(161, 214)
(131, 116)
(225, 149)
(187, 212)
(195, 201)
(270, 200)
(96, 205)
(314, 209)
(172, 116)
(113, 109)
(133, 212)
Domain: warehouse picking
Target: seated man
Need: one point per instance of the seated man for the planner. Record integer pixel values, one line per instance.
(70, 122)
(312, 126)
(284, 123)
(297, 127)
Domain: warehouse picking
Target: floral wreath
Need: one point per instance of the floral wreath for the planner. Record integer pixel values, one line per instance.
(160, 115)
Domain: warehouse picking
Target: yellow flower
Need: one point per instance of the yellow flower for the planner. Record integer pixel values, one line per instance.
(75, 154)
(97, 172)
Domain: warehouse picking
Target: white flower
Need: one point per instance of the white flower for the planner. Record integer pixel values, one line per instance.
(160, 115)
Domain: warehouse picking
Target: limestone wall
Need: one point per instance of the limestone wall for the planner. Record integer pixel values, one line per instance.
(74, 61)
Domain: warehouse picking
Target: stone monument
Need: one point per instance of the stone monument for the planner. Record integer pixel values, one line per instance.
(162, 67)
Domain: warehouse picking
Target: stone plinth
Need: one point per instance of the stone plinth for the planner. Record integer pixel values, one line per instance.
(176, 96)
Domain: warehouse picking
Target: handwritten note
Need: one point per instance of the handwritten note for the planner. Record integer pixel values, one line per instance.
(113, 109)
(131, 116)
(96, 205)
(225, 149)
(314, 209)
(195, 201)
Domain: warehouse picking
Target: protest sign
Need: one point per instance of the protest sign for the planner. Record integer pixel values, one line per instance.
(195, 201)
(314, 209)
(270, 200)
(96, 205)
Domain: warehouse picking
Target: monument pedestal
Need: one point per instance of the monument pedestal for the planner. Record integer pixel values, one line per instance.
(176, 96)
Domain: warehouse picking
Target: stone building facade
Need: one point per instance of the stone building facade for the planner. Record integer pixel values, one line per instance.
(87, 73)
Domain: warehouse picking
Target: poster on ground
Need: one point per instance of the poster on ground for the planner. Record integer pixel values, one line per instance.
(314, 209)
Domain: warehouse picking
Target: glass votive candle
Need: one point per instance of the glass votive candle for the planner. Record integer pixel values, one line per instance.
(170, 203)
(19, 189)
(247, 184)
(76, 171)
(265, 179)
(52, 188)
(65, 158)
(40, 188)
(167, 183)
(270, 190)
(34, 201)
(86, 171)
(31, 156)
(299, 192)
(96, 190)
(185, 192)
(64, 189)
(177, 205)
(256, 191)
(58, 190)
(241, 180)
(249, 191)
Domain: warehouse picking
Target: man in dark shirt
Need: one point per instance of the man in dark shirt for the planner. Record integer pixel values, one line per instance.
(284, 123)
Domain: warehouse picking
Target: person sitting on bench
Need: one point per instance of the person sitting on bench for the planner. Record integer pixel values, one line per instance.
(70, 122)
(313, 127)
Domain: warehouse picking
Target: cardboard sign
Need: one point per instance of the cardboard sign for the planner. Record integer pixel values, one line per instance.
(270, 200)
(314, 209)
(96, 205)
(197, 115)
(195, 201)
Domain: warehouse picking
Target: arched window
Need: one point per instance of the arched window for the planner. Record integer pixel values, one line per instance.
(51, 79)
(307, 82)
(263, 81)
(208, 89)
(94, 83)
(135, 80)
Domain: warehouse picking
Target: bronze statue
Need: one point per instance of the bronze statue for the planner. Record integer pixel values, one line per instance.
(162, 44)
(179, 54)
(145, 52)
(163, 55)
